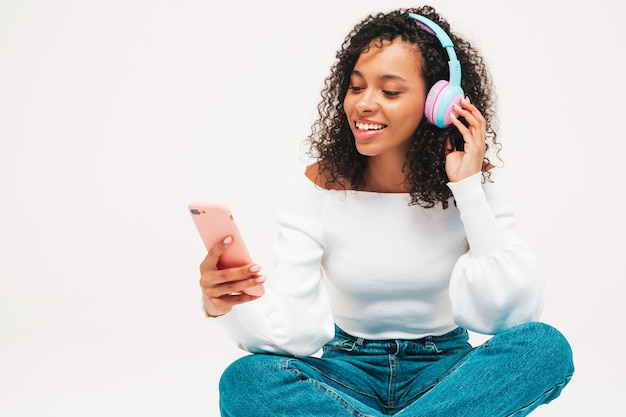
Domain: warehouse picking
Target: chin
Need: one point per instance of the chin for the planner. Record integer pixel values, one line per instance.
(363, 150)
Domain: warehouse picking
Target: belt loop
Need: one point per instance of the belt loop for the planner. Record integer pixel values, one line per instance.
(428, 343)
(358, 342)
(431, 345)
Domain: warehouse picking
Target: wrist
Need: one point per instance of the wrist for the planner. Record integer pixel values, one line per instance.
(210, 312)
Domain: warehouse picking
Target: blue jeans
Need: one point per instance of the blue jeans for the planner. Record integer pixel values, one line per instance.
(509, 375)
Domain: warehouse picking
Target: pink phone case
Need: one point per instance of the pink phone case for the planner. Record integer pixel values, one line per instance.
(215, 222)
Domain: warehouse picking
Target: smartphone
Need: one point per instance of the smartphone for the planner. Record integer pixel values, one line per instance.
(215, 222)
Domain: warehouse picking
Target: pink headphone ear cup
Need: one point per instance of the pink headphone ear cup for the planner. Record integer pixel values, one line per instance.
(430, 107)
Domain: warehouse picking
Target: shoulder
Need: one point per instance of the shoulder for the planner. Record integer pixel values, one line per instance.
(312, 173)
(304, 202)
(323, 178)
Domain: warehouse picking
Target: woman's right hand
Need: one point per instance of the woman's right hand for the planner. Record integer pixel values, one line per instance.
(224, 288)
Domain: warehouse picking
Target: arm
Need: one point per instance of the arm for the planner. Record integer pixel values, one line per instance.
(294, 316)
(498, 283)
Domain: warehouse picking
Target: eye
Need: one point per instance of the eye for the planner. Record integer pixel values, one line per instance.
(389, 93)
(356, 88)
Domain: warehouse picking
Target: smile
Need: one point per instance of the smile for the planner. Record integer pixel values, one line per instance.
(369, 126)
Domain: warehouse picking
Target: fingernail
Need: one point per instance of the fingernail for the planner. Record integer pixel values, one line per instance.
(227, 240)
(255, 268)
(261, 279)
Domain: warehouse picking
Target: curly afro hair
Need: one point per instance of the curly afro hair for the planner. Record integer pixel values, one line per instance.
(331, 141)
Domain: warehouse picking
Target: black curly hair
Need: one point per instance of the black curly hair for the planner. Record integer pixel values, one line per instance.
(331, 141)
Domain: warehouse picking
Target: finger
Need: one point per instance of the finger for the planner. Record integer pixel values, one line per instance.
(237, 287)
(467, 105)
(212, 258)
(449, 146)
(474, 132)
(467, 115)
(459, 125)
(216, 277)
(472, 111)
(226, 302)
(474, 143)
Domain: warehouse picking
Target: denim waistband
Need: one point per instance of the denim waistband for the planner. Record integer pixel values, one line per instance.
(454, 340)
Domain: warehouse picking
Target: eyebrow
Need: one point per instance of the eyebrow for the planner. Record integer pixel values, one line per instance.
(385, 77)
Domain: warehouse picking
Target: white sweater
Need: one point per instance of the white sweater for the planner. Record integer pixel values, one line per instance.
(382, 269)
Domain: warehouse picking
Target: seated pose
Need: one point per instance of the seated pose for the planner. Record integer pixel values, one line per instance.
(394, 242)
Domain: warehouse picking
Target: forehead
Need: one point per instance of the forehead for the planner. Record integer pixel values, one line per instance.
(393, 56)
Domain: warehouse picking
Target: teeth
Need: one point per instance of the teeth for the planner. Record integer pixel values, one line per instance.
(368, 126)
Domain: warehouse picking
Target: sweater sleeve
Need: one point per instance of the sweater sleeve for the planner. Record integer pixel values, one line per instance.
(498, 283)
(294, 315)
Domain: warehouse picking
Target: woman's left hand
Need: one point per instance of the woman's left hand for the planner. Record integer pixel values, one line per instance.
(465, 163)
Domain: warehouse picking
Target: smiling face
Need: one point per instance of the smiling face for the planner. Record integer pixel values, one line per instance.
(385, 101)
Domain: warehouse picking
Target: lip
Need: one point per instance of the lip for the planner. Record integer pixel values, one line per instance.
(365, 135)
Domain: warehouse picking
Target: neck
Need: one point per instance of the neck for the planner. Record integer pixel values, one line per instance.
(385, 177)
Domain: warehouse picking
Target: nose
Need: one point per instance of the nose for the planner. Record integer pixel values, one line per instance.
(366, 102)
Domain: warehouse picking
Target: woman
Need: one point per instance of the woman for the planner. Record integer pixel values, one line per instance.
(395, 242)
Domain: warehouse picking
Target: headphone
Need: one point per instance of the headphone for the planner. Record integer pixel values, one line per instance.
(443, 94)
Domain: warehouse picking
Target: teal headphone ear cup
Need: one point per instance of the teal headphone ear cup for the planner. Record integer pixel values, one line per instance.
(440, 101)
(430, 107)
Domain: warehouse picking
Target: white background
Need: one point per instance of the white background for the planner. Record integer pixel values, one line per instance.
(115, 114)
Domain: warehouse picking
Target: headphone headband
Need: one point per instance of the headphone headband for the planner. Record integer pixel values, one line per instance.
(433, 28)
(443, 95)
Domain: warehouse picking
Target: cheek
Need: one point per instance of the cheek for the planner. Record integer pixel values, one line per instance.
(348, 105)
(409, 115)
